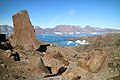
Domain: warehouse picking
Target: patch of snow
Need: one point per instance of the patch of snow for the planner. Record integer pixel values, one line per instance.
(94, 33)
(71, 33)
(77, 33)
(58, 33)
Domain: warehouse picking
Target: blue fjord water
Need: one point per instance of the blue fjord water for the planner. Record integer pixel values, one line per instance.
(60, 39)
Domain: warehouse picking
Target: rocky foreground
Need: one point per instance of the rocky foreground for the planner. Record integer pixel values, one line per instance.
(22, 57)
(96, 61)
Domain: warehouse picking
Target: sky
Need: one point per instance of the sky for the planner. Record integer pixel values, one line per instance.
(49, 13)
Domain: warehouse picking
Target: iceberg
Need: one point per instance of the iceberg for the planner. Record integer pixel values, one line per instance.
(83, 42)
(69, 42)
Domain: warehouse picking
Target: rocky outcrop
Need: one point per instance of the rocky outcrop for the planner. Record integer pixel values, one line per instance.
(93, 61)
(24, 34)
(36, 65)
(55, 61)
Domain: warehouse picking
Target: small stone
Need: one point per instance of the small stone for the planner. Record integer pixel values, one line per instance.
(24, 77)
(117, 58)
(3, 65)
(8, 51)
(3, 43)
(115, 64)
(65, 62)
(15, 76)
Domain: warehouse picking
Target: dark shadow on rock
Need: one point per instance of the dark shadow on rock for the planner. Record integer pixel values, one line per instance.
(6, 44)
(60, 71)
(43, 48)
(9, 46)
(49, 68)
(15, 56)
(2, 37)
(76, 78)
(3, 47)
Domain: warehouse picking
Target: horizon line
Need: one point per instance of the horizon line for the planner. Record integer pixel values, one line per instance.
(68, 25)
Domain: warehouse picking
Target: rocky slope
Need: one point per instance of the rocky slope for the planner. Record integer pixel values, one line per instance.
(108, 44)
(96, 61)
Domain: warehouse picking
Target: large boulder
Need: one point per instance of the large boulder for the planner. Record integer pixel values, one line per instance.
(55, 60)
(36, 64)
(93, 61)
(24, 34)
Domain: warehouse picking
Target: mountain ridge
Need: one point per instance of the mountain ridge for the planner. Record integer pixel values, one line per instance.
(64, 29)
(73, 29)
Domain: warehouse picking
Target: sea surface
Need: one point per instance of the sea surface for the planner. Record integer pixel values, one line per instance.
(60, 39)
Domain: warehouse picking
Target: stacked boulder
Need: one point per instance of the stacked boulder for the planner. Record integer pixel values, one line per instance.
(24, 43)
